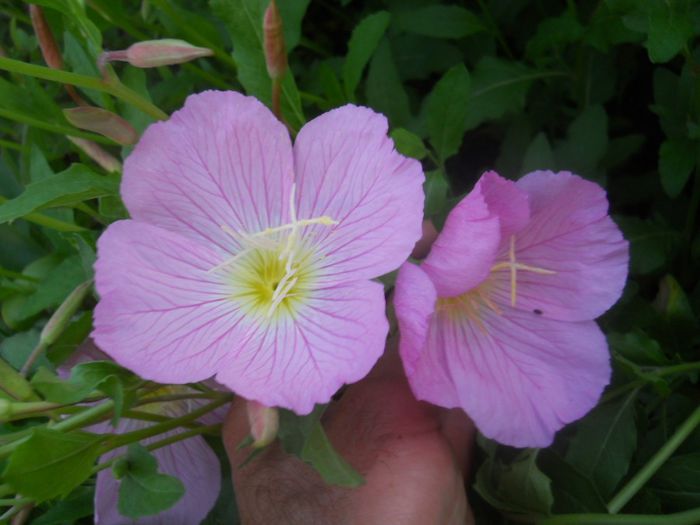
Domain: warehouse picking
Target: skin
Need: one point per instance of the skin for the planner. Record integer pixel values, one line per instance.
(412, 455)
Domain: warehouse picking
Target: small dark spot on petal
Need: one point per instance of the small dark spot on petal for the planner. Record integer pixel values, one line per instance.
(537, 311)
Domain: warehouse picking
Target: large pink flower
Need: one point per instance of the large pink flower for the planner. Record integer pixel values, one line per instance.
(498, 320)
(249, 259)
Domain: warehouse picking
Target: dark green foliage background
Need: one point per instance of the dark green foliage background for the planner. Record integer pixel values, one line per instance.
(609, 89)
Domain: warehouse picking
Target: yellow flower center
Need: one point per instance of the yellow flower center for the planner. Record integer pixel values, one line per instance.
(274, 270)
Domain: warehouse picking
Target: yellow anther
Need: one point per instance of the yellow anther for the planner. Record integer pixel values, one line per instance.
(512, 265)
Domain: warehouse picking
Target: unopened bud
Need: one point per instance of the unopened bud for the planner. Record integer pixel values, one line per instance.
(5, 410)
(264, 423)
(103, 122)
(156, 53)
(98, 154)
(63, 314)
(47, 43)
(275, 52)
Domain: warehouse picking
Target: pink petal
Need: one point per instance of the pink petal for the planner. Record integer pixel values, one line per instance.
(223, 159)
(161, 313)
(571, 234)
(462, 255)
(507, 200)
(519, 376)
(190, 460)
(332, 339)
(414, 302)
(347, 168)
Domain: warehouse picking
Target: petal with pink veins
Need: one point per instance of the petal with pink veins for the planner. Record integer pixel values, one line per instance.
(295, 361)
(223, 159)
(519, 376)
(162, 313)
(570, 233)
(347, 169)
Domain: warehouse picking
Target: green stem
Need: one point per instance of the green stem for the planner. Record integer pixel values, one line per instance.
(495, 30)
(113, 87)
(49, 222)
(689, 517)
(647, 471)
(14, 501)
(138, 435)
(210, 429)
(16, 275)
(11, 145)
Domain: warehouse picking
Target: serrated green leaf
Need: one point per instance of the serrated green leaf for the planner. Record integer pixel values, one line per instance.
(71, 186)
(385, 92)
(51, 463)
(497, 87)
(143, 491)
(440, 21)
(670, 28)
(604, 444)
(447, 109)
(586, 142)
(676, 162)
(408, 143)
(538, 155)
(363, 42)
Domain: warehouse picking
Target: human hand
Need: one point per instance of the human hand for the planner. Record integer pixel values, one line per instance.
(412, 455)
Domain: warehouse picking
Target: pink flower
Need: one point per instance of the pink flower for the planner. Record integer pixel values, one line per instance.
(249, 259)
(191, 460)
(498, 319)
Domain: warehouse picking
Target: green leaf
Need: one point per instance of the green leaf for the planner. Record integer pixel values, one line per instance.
(143, 491)
(676, 161)
(498, 87)
(670, 27)
(51, 463)
(50, 291)
(573, 492)
(71, 186)
(538, 155)
(385, 92)
(105, 376)
(440, 21)
(586, 142)
(519, 487)
(79, 504)
(677, 482)
(292, 14)
(436, 188)
(639, 348)
(447, 109)
(418, 57)
(408, 143)
(244, 19)
(651, 244)
(17, 348)
(304, 437)
(604, 444)
(363, 42)
(554, 34)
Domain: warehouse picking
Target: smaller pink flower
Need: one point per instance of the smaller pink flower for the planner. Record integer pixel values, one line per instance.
(498, 320)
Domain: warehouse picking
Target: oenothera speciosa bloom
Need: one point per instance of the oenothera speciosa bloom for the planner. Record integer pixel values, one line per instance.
(498, 319)
(249, 259)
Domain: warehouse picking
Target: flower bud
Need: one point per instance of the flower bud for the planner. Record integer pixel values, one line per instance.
(275, 52)
(47, 43)
(156, 53)
(98, 154)
(63, 314)
(264, 423)
(103, 122)
(5, 410)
